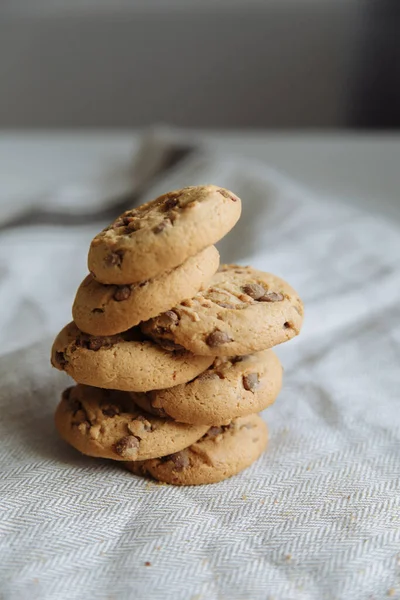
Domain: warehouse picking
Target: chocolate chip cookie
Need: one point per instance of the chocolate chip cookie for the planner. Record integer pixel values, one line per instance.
(108, 309)
(221, 453)
(107, 424)
(230, 388)
(125, 361)
(160, 235)
(241, 312)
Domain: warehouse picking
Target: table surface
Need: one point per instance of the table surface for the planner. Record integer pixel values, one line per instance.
(359, 168)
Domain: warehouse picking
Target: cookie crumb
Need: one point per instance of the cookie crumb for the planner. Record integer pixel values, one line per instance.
(147, 564)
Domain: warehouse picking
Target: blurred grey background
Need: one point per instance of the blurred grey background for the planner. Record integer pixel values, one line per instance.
(204, 63)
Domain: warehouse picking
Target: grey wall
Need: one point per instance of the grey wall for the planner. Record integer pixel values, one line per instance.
(275, 63)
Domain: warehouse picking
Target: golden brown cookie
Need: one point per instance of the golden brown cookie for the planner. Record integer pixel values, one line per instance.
(123, 362)
(221, 453)
(242, 311)
(107, 424)
(101, 309)
(160, 235)
(230, 388)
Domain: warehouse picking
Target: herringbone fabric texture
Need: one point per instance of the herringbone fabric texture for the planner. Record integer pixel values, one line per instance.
(317, 517)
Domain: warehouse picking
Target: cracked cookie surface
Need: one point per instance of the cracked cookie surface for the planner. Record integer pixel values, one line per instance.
(241, 312)
(107, 424)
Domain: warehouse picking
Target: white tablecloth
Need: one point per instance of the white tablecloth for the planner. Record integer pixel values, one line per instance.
(317, 517)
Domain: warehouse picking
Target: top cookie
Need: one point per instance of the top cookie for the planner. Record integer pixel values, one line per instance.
(241, 312)
(160, 235)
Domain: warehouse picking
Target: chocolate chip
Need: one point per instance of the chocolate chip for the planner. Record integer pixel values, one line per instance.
(61, 360)
(165, 320)
(251, 382)
(171, 203)
(236, 359)
(271, 297)
(163, 225)
(147, 564)
(98, 310)
(114, 259)
(92, 342)
(214, 431)
(132, 226)
(95, 343)
(127, 446)
(110, 411)
(180, 460)
(169, 345)
(158, 411)
(287, 325)
(254, 290)
(122, 293)
(171, 315)
(123, 221)
(218, 338)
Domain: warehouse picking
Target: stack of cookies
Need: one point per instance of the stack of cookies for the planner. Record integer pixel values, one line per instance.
(170, 350)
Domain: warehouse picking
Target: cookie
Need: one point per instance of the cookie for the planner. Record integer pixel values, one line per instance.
(160, 235)
(108, 309)
(242, 311)
(125, 361)
(221, 453)
(230, 388)
(107, 424)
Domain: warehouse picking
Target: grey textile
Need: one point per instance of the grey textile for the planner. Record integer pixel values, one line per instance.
(317, 517)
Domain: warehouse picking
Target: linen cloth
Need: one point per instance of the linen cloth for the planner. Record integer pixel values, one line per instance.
(317, 517)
